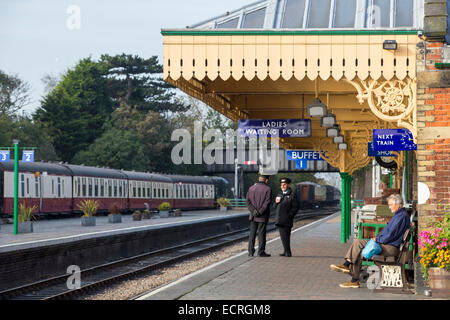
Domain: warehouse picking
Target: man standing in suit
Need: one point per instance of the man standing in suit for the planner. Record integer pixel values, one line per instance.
(286, 204)
(258, 199)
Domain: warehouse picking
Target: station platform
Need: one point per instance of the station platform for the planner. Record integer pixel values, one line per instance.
(59, 231)
(304, 276)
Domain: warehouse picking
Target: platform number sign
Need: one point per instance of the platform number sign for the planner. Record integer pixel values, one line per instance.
(28, 156)
(5, 155)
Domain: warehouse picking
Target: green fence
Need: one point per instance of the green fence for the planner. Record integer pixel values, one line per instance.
(357, 203)
(238, 203)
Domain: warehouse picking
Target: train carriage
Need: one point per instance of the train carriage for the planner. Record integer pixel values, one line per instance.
(192, 192)
(44, 185)
(106, 186)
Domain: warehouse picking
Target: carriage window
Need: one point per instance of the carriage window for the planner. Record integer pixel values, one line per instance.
(120, 189)
(149, 195)
(59, 187)
(96, 188)
(110, 194)
(28, 186)
(134, 189)
(139, 189)
(89, 187)
(115, 188)
(36, 186)
(79, 187)
(84, 186)
(63, 194)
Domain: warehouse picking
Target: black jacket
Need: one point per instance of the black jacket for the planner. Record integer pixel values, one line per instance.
(286, 209)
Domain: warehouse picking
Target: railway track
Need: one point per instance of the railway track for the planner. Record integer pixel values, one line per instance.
(56, 288)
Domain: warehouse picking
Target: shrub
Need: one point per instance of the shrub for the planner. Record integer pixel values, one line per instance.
(88, 207)
(165, 206)
(137, 215)
(25, 213)
(223, 202)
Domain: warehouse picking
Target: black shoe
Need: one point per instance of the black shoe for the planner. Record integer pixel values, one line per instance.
(284, 254)
(250, 254)
(264, 254)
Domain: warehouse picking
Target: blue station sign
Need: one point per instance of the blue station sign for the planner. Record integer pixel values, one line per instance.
(5, 155)
(283, 128)
(373, 153)
(28, 156)
(301, 164)
(393, 140)
(303, 155)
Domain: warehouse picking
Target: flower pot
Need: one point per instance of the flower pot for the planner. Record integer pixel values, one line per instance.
(114, 218)
(223, 209)
(88, 221)
(25, 227)
(137, 217)
(439, 282)
(164, 214)
(146, 216)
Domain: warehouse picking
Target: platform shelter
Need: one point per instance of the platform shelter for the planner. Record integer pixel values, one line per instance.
(276, 59)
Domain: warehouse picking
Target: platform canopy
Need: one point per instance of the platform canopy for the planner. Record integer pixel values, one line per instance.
(271, 59)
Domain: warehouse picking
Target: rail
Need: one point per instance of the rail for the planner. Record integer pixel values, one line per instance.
(238, 203)
(357, 203)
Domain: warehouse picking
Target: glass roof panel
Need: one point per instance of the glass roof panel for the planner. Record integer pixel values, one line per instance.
(403, 13)
(255, 19)
(319, 14)
(345, 14)
(230, 24)
(293, 14)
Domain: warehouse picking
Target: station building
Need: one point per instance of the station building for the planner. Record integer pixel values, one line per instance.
(369, 64)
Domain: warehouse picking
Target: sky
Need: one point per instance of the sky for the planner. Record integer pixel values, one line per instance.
(40, 37)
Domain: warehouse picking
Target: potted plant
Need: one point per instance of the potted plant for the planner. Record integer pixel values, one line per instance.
(137, 215)
(178, 213)
(435, 256)
(146, 214)
(164, 209)
(89, 209)
(24, 218)
(114, 215)
(223, 203)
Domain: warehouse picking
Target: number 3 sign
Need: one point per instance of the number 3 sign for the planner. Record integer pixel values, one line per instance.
(5, 156)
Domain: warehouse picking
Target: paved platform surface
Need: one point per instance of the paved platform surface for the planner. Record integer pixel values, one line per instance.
(306, 275)
(46, 232)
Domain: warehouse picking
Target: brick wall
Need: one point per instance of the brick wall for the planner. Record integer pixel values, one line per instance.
(433, 115)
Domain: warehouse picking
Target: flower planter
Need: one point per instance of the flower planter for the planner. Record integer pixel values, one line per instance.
(88, 221)
(25, 227)
(439, 282)
(164, 214)
(223, 209)
(115, 218)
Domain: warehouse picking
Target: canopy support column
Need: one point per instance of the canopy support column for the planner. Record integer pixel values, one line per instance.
(346, 220)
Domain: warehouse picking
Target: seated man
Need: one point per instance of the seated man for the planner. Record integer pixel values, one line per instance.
(390, 239)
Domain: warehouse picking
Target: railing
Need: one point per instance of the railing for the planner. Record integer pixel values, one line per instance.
(238, 203)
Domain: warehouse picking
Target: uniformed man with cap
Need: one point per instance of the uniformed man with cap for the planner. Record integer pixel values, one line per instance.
(259, 197)
(286, 205)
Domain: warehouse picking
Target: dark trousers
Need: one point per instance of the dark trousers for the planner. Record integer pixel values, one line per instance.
(285, 235)
(257, 229)
(354, 255)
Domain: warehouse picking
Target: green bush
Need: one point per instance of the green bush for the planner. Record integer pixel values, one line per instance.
(223, 202)
(165, 206)
(88, 207)
(25, 212)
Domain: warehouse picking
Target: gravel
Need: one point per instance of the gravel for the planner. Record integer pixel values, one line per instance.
(131, 288)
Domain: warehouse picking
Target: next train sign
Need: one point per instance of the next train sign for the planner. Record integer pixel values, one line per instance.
(393, 140)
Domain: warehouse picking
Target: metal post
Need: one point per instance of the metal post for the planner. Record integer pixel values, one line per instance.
(16, 185)
(349, 206)
(343, 206)
(236, 182)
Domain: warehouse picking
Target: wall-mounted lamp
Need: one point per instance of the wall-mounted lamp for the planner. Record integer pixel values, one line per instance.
(343, 146)
(317, 109)
(390, 45)
(333, 131)
(339, 139)
(328, 121)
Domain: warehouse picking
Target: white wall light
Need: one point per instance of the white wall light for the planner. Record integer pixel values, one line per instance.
(343, 146)
(328, 121)
(339, 139)
(333, 131)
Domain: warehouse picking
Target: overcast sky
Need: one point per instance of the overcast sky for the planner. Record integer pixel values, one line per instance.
(39, 37)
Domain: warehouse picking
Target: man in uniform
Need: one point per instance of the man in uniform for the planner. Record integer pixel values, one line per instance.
(286, 205)
(258, 199)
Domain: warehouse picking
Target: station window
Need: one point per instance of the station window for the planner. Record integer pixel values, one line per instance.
(345, 14)
(319, 14)
(230, 24)
(255, 19)
(404, 13)
(380, 16)
(293, 14)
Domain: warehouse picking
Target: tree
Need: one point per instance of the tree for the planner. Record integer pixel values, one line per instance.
(137, 82)
(14, 94)
(75, 111)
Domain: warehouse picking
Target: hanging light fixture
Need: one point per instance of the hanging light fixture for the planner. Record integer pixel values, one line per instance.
(338, 139)
(328, 121)
(333, 131)
(317, 109)
(343, 146)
